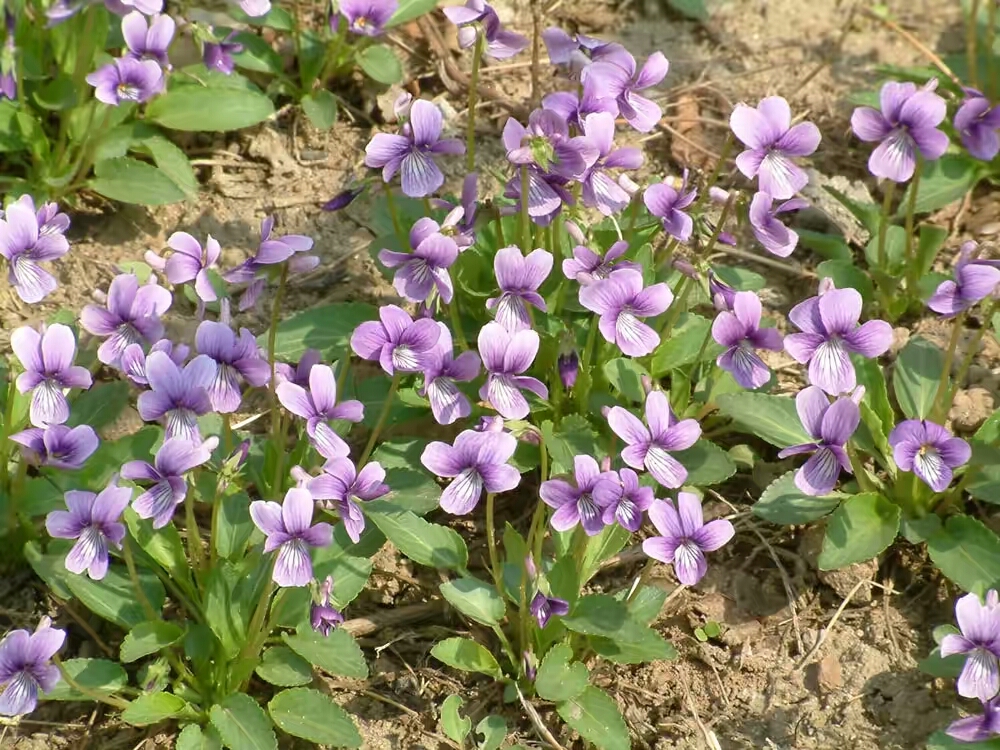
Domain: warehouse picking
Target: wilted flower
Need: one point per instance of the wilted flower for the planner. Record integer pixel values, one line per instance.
(600, 190)
(477, 461)
(977, 122)
(776, 238)
(132, 316)
(176, 457)
(367, 17)
(668, 203)
(344, 485)
(979, 641)
(93, 520)
(342, 199)
(47, 359)
(317, 406)
(543, 608)
(28, 238)
(419, 273)
(178, 396)
(685, 537)
(58, 446)
(620, 301)
(518, 277)
(219, 55)
(500, 43)
(148, 41)
(126, 80)
(322, 616)
(650, 447)
(441, 371)
(576, 503)
(236, 357)
(741, 333)
(929, 451)
(290, 530)
(614, 76)
(623, 500)
(396, 341)
(506, 356)
(977, 728)
(586, 266)
(25, 669)
(830, 426)
(974, 282)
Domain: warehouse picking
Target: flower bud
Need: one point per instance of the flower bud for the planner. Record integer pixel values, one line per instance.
(718, 195)
(647, 384)
(342, 199)
(727, 238)
(528, 664)
(825, 285)
(569, 368)
(529, 564)
(574, 232)
(531, 435)
(685, 267)
(401, 107)
(723, 295)
(606, 463)
(322, 616)
(490, 424)
(605, 411)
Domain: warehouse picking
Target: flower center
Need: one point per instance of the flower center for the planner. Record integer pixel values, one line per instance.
(405, 359)
(128, 91)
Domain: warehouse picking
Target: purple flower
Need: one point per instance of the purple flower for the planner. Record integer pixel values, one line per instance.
(131, 317)
(571, 53)
(235, 358)
(929, 451)
(668, 204)
(300, 375)
(425, 269)
(519, 277)
(343, 199)
(977, 122)
(600, 190)
(176, 457)
(367, 17)
(614, 76)
(322, 616)
(623, 500)
(178, 396)
(776, 238)
(974, 282)
(272, 251)
(58, 446)
(255, 8)
(477, 461)
(413, 154)
(93, 520)
(317, 406)
(577, 504)
(460, 223)
(148, 42)
(830, 426)
(149, 7)
(685, 537)
(47, 359)
(289, 529)
(569, 368)
(500, 43)
(574, 108)
(133, 360)
(189, 262)
(586, 266)
(26, 240)
(980, 642)
(126, 80)
(441, 371)
(977, 728)
(771, 142)
(546, 195)
(620, 301)
(344, 485)
(506, 356)
(219, 55)
(547, 145)
(830, 333)
(908, 123)
(543, 608)
(740, 332)
(650, 447)
(723, 295)
(25, 668)
(396, 341)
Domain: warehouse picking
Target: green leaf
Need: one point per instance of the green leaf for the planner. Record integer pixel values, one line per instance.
(226, 614)
(494, 730)
(111, 454)
(234, 526)
(949, 667)
(942, 181)
(683, 345)
(466, 655)
(859, 530)
(784, 503)
(604, 616)
(453, 724)
(380, 64)
(321, 109)
(930, 241)
(646, 604)
(557, 678)
(152, 708)
(132, 181)
(257, 54)
(200, 108)
(192, 737)
(941, 741)
(412, 486)
(337, 653)
(771, 418)
(313, 716)
(147, 638)
(575, 437)
(312, 54)
(113, 598)
(895, 250)
(830, 246)
(409, 10)
(327, 328)
(916, 377)
(870, 375)
(597, 718)
(707, 464)
(620, 652)
(173, 162)
(693, 9)
(600, 547)
(968, 553)
(423, 542)
(869, 214)
(242, 724)
(164, 545)
(96, 675)
(283, 667)
(475, 599)
(847, 275)
(625, 375)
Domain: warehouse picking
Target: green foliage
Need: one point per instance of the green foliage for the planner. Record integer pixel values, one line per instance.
(596, 717)
(321, 109)
(559, 678)
(113, 598)
(327, 329)
(283, 667)
(917, 377)
(152, 708)
(707, 464)
(574, 437)
(97, 676)
(968, 553)
(861, 528)
(242, 724)
(943, 181)
(456, 726)
(423, 542)
(337, 653)
(194, 107)
(380, 64)
(99, 406)
(149, 637)
(682, 348)
(771, 418)
(466, 655)
(625, 376)
(784, 503)
(475, 599)
(313, 716)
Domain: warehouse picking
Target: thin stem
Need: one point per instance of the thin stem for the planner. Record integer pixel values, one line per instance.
(583, 393)
(727, 147)
(991, 21)
(227, 433)
(698, 356)
(491, 542)
(644, 574)
(277, 422)
(456, 323)
(883, 227)
(345, 366)
(254, 634)
(680, 300)
(972, 350)
(386, 407)
(911, 205)
(525, 217)
(133, 575)
(971, 38)
(8, 430)
(390, 204)
(470, 133)
(860, 473)
(941, 405)
(195, 551)
(93, 695)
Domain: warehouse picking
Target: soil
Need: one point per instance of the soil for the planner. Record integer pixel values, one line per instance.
(785, 672)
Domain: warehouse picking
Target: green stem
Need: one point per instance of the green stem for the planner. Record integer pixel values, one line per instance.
(8, 430)
(727, 147)
(151, 614)
(456, 323)
(109, 700)
(860, 473)
(345, 366)
(883, 227)
(971, 39)
(941, 405)
(470, 133)
(647, 571)
(525, 217)
(397, 227)
(680, 300)
(911, 205)
(991, 22)
(227, 433)
(386, 407)
(255, 634)
(193, 534)
(971, 352)
(491, 542)
(277, 421)
(698, 356)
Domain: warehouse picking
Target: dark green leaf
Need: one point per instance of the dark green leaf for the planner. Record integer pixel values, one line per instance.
(456, 726)
(423, 542)
(493, 728)
(941, 741)
(321, 109)
(380, 64)
(846, 275)
(784, 503)
(327, 328)
(200, 108)
(242, 724)
(413, 488)
(930, 241)
(600, 547)
(193, 737)
(114, 599)
(313, 716)
(234, 526)
(942, 181)
(937, 666)
(96, 675)
(147, 638)
(682, 347)
(895, 251)
(132, 181)
(625, 375)
(605, 616)
(467, 655)
(475, 599)
(58, 94)
(830, 246)
(870, 375)
(408, 10)
(337, 653)
(597, 718)
(771, 418)
(283, 667)
(558, 679)
(227, 614)
(867, 213)
(111, 454)
(707, 464)
(968, 553)
(858, 530)
(164, 545)
(152, 708)
(257, 54)
(173, 163)
(575, 437)
(917, 376)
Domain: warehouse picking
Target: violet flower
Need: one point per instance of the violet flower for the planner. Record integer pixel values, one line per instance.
(93, 520)
(177, 396)
(650, 447)
(413, 154)
(26, 240)
(600, 190)
(576, 503)
(569, 368)
(620, 301)
(25, 669)
(723, 295)
(272, 252)
(586, 266)
(929, 451)
(219, 55)
(126, 80)
(572, 53)
(544, 608)
(506, 356)
(830, 333)
(518, 277)
(317, 406)
(289, 529)
(574, 108)
(685, 537)
(47, 359)
(367, 17)
(235, 358)
(830, 426)
(974, 281)
(614, 76)
(500, 43)
(343, 485)
(776, 238)
(977, 123)
(668, 203)
(907, 124)
(460, 223)
(300, 374)
(255, 8)
(395, 341)
(322, 616)
(979, 622)
(175, 458)
(191, 262)
(58, 446)
(132, 316)
(441, 371)
(740, 332)
(547, 145)
(133, 359)
(477, 461)
(623, 500)
(772, 142)
(547, 194)
(148, 41)
(424, 270)
(978, 728)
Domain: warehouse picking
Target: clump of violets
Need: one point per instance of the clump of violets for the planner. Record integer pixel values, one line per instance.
(289, 529)
(341, 486)
(929, 451)
(650, 447)
(365, 17)
(506, 356)
(576, 504)
(476, 461)
(49, 371)
(519, 277)
(979, 641)
(131, 316)
(93, 520)
(501, 44)
(26, 668)
(190, 262)
(621, 302)
(977, 121)
(546, 145)
(28, 238)
(235, 357)
(685, 537)
(740, 332)
(600, 189)
(830, 426)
